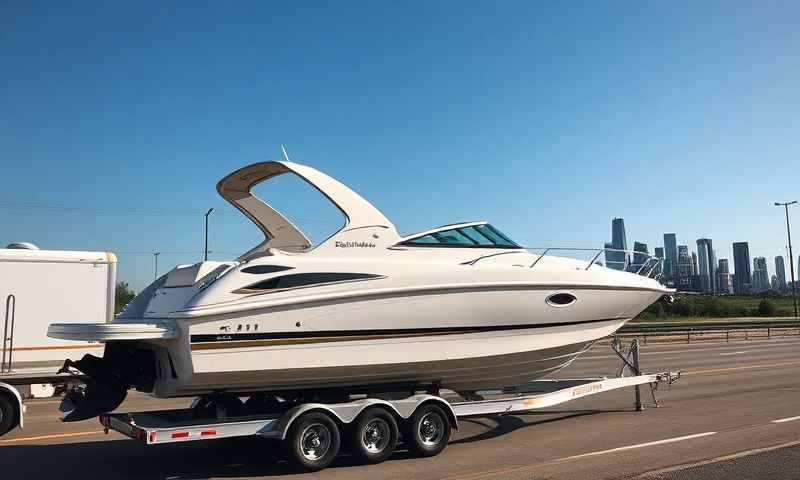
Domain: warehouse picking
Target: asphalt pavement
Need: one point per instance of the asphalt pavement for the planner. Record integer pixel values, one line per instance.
(734, 414)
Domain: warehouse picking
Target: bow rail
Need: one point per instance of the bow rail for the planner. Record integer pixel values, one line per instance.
(640, 263)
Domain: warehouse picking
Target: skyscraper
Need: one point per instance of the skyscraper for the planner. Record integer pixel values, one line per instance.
(683, 271)
(760, 275)
(659, 252)
(708, 265)
(741, 268)
(618, 260)
(780, 272)
(640, 255)
(670, 255)
(724, 277)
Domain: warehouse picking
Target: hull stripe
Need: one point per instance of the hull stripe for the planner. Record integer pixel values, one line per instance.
(240, 340)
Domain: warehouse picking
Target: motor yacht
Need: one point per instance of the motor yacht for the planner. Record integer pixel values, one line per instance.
(461, 307)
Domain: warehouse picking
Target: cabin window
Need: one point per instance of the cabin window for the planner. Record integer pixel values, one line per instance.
(261, 269)
(299, 280)
(561, 299)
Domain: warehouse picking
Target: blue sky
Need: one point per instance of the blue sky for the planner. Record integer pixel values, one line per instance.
(546, 118)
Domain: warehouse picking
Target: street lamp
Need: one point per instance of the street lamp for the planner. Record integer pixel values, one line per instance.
(205, 257)
(791, 255)
(155, 273)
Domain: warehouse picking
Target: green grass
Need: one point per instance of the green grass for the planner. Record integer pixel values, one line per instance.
(685, 319)
(694, 308)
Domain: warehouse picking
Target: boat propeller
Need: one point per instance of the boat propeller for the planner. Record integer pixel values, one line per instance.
(102, 390)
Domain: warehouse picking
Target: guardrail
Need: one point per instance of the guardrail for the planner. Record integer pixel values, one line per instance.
(710, 331)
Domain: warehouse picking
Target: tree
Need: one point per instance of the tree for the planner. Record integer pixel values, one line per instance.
(766, 308)
(123, 294)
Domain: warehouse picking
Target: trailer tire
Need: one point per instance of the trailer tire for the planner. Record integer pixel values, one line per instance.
(312, 441)
(427, 432)
(373, 436)
(8, 414)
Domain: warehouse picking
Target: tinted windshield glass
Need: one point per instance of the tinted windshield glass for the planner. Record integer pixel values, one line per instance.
(474, 236)
(495, 236)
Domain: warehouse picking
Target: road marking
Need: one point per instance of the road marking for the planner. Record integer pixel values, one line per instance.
(787, 419)
(733, 456)
(746, 367)
(734, 353)
(49, 437)
(639, 445)
(505, 472)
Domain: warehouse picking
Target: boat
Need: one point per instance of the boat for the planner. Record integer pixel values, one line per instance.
(461, 307)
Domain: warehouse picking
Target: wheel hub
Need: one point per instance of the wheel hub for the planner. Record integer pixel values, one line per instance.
(430, 429)
(376, 435)
(315, 441)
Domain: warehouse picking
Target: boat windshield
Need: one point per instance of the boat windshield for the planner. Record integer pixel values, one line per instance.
(471, 236)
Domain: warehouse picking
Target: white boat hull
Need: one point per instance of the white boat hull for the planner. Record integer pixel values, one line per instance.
(463, 362)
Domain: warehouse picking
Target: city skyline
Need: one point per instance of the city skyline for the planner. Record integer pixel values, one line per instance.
(703, 270)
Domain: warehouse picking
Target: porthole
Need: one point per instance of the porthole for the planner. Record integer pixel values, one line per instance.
(561, 299)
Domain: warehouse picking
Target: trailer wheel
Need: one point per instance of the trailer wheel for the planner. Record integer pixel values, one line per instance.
(313, 441)
(427, 431)
(373, 436)
(8, 414)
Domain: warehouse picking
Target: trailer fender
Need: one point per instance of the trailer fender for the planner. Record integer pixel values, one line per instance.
(345, 413)
(14, 394)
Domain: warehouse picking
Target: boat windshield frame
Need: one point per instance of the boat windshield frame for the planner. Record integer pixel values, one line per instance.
(471, 231)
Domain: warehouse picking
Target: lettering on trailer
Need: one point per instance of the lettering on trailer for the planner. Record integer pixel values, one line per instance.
(354, 244)
(586, 389)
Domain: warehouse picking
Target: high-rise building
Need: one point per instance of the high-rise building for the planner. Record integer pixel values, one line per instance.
(780, 273)
(708, 265)
(724, 277)
(741, 268)
(695, 271)
(683, 271)
(670, 255)
(760, 275)
(640, 255)
(659, 252)
(618, 260)
(609, 255)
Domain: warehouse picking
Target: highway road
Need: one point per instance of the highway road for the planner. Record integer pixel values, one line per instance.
(734, 414)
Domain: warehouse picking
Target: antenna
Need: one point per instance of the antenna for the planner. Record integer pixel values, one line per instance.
(285, 155)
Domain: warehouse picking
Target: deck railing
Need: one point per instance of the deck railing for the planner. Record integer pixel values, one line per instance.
(633, 261)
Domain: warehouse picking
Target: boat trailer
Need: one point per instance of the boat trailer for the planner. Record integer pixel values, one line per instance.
(314, 431)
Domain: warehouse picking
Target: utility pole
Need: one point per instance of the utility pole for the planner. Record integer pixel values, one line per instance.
(205, 257)
(155, 256)
(791, 255)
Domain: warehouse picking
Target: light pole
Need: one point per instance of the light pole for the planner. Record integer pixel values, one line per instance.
(205, 257)
(155, 273)
(791, 259)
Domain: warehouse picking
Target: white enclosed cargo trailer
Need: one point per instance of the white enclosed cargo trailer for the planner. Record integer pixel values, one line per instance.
(37, 288)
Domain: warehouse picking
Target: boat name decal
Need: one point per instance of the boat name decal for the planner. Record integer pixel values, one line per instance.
(354, 244)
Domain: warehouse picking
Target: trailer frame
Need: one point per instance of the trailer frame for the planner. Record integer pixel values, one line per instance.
(183, 425)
